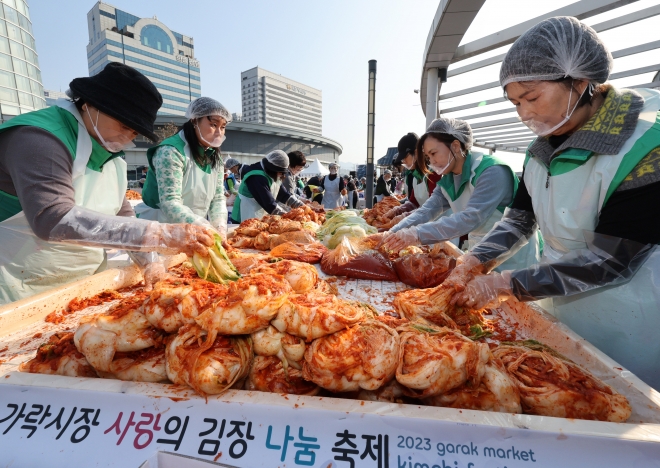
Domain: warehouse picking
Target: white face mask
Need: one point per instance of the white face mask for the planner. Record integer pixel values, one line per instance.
(441, 170)
(407, 166)
(543, 129)
(215, 143)
(115, 146)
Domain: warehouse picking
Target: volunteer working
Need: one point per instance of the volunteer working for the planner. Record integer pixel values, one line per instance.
(297, 163)
(475, 186)
(333, 188)
(185, 181)
(231, 182)
(261, 189)
(591, 181)
(420, 182)
(383, 188)
(63, 187)
(235, 168)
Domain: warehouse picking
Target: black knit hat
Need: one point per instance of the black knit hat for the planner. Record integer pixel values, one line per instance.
(407, 145)
(123, 93)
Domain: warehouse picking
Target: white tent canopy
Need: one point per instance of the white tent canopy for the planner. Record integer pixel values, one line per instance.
(315, 167)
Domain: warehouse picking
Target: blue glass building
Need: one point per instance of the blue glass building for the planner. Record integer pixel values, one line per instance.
(21, 88)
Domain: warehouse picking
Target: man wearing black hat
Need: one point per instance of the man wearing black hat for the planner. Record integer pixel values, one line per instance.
(63, 185)
(261, 189)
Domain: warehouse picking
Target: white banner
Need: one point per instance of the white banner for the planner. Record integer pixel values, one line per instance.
(71, 428)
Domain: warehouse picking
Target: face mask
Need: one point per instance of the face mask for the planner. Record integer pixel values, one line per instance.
(407, 166)
(441, 170)
(333, 171)
(543, 129)
(215, 143)
(114, 146)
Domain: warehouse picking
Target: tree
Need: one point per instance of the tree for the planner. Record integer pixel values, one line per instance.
(166, 131)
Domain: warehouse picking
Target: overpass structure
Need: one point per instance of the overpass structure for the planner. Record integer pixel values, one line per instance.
(493, 118)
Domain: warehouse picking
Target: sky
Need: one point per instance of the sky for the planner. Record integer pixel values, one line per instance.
(326, 45)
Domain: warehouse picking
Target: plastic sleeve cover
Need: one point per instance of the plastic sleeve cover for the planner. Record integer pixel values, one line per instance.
(505, 238)
(406, 207)
(431, 210)
(606, 261)
(142, 259)
(293, 202)
(85, 227)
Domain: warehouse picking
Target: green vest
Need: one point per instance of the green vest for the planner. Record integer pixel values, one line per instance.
(62, 124)
(243, 190)
(487, 161)
(150, 195)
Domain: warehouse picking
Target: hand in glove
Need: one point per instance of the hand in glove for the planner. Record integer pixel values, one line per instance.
(485, 291)
(186, 238)
(400, 240)
(222, 232)
(466, 266)
(153, 273)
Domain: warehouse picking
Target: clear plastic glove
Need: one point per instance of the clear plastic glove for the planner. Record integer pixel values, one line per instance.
(186, 238)
(153, 273)
(485, 291)
(466, 266)
(222, 232)
(278, 210)
(400, 240)
(82, 226)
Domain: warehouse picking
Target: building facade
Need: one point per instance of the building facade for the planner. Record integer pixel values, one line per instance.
(164, 56)
(271, 99)
(21, 87)
(53, 96)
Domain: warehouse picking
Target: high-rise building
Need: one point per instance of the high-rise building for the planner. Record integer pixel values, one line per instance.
(53, 96)
(166, 57)
(269, 98)
(21, 90)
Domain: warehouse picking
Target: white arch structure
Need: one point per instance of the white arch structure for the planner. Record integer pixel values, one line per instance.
(493, 120)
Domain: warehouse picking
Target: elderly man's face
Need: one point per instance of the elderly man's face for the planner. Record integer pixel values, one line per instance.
(387, 176)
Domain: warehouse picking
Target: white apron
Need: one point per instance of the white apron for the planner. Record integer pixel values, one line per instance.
(623, 320)
(250, 208)
(197, 190)
(331, 197)
(525, 257)
(29, 265)
(421, 190)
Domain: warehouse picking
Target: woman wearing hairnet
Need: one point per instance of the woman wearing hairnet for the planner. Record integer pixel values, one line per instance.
(420, 182)
(185, 180)
(261, 189)
(476, 187)
(63, 187)
(591, 182)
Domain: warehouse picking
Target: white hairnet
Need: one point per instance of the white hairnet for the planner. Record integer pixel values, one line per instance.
(278, 158)
(457, 128)
(559, 47)
(231, 162)
(206, 106)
